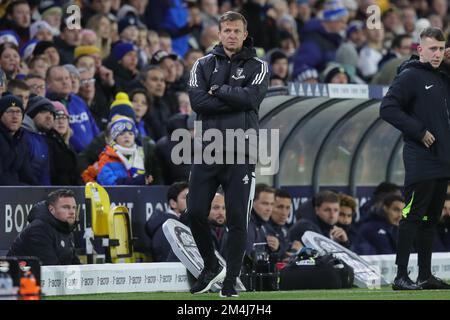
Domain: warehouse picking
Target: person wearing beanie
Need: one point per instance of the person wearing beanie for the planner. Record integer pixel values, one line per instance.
(128, 28)
(321, 38)
(9, 36)
(63, 159)
(335, 74)
(15, 169)
(85, 50)
(49, 50)
(38, 121)
(41, 31)
(122, 106)
(51, 13)
(126, 55)
(122, 161)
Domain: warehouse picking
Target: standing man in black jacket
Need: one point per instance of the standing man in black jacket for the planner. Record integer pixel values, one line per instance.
(48, 235)
(226, 88)
(417, 104)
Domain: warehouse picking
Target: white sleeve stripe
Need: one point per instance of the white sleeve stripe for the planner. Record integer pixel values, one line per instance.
(193, 80)
(260, 76)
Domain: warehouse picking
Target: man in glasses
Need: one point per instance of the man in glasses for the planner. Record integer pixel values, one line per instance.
(15, 160)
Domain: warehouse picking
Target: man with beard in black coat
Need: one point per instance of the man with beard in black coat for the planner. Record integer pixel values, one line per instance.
(48, 235)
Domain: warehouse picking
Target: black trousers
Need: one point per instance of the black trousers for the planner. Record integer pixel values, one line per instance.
(238, 183)
(424, 203)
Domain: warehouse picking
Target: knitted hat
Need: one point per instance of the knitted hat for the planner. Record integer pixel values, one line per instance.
(38, 104)
(8, 100)
(85, 50)
(49, 6)
(307, 74)
(122, 48)
(330, 72)
(127, 21)
(355, 25)
(9, 36)
(120, 125)
(41, 46)
(60, 109)
(334, 10)
(38, 26)
(28, 48)
(122, 106)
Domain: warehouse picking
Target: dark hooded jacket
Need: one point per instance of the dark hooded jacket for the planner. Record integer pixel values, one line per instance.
(242, 81)
(417, 101)
(47, 238)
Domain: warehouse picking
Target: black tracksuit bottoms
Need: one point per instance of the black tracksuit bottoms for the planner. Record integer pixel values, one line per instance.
(238, 183)
(424, 203)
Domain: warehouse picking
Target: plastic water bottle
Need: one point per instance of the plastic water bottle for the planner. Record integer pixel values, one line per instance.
(7, 289)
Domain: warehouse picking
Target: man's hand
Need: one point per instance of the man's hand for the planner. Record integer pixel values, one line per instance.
(273, 243)
(338, 234)
(148, 179)
(447, 53)
(428, 139)
(106, 75)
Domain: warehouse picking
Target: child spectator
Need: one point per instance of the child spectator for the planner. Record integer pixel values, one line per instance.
(122, 161)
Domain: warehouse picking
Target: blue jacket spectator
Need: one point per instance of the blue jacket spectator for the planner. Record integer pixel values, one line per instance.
(38, 121)
(81, 120)
(15, 166)
(320, 39)
(378, 235)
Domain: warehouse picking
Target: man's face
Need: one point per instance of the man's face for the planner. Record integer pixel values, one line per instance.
(280, 68)
(170, 69)
(217, 212)
(86, 62)
(345, 215)
(130, 61)
(328, 212)
(22, 94)
(154, 83)
(232, 35)
(281, 210)
(44, 120)
(405, 47)
(446, 210)
(21, 15)
(71, 36)
(12, 119)
(52, 55)
(394, 212)
(432, 51)
(64, 210)
(37, 86)
(60, 82)
(180, 205)
(87, 85)
(264, 205)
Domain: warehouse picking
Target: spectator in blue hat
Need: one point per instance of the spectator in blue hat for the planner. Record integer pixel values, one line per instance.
(128, 29)
(127, 60)
(15, 166)
(41, 31)
(9, 36)
(303, 13)
(348, 52)
(321, 38)
(38, 121)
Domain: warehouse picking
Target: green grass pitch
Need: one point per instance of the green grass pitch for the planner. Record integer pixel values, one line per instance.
(385, 293)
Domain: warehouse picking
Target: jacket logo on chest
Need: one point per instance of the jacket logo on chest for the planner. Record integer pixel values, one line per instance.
(239, 74)
(63, 244)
